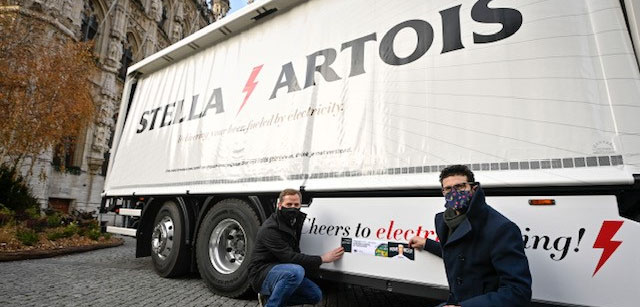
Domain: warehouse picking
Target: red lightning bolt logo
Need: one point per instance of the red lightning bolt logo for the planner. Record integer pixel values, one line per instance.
(250, 86)
(604, 241)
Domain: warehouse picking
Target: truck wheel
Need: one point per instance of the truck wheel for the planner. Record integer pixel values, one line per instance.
(169, 254)
(224, 243)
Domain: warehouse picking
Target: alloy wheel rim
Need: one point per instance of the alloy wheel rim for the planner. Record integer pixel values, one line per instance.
(227, 246)
(162, 238)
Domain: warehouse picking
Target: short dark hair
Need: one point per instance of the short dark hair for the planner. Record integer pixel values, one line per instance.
(286, 192)
(454, 170)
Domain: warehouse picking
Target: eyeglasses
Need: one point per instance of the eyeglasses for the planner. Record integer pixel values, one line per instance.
(458, 187)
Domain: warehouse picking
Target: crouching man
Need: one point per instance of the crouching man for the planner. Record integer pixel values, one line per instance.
(278, 270)
(482, 250)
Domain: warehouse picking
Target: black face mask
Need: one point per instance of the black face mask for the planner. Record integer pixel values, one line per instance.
(289, 215)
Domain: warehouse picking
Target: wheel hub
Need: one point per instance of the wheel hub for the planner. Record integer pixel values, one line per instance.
(227, 246)
(162, 238)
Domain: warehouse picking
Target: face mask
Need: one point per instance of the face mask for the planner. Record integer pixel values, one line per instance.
(458, 200)
(289, 215)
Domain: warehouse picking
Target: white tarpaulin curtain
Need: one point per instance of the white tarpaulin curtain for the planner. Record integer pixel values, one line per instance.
(314, 97)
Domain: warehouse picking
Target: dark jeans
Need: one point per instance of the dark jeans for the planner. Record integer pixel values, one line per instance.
(286, 285)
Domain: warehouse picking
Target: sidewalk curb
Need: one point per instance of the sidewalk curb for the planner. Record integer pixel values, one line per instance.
(37, 254)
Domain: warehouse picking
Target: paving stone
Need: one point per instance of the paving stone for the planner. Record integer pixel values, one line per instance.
(114, 277)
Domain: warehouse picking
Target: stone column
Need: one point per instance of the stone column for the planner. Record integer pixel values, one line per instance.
(118, 28)
(149, 46)
(107, 104)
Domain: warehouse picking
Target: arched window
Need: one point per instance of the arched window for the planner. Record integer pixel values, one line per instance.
(63, 153)
(127, 59)
(107, 154)
(164, 17)
(90, 22)
(130, 54)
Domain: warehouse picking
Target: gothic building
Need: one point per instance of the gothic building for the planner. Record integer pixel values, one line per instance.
(123, 32)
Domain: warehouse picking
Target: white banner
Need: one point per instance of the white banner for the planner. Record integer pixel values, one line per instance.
(366, 94)
(580, 250)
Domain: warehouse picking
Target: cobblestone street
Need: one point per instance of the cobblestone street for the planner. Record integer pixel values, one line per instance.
(113, 276)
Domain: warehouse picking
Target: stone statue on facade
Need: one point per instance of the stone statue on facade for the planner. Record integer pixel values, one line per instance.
(177, 32)
(114, 53)
(179, 12)
(53, 6)
(149, 46)
(156, 10)
(67, 9)
(109, 84)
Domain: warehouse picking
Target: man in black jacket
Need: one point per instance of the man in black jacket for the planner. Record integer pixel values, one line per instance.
(482, 250)
(277, 268)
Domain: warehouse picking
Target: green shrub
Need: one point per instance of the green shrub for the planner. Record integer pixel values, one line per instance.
(14, 192)
(106, 235)
(64, 232)
(6, 215)
(55, 235)
(93, 234)
(32, 212)
(27, 236)
(54, 220)
(70, 230)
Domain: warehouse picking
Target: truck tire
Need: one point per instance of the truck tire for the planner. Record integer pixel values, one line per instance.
(223, 247)
(169, 254)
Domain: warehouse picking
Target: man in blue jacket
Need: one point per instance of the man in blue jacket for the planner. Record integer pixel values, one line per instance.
(482, 250)
(278, 269)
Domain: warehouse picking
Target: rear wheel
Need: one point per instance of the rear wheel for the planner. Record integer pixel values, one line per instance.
(224, 243)
(169, 254)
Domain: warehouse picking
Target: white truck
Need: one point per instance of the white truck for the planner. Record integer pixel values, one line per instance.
(361, 103)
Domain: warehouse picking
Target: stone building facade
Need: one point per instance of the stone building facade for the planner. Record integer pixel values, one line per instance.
(124, 32)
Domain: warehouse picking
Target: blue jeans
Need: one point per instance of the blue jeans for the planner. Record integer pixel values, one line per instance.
(286, 285)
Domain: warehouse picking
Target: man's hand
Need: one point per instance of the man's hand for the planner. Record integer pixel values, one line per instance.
(332, 255)
(417, 242)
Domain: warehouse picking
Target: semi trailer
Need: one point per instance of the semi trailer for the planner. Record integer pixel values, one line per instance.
(360, 104)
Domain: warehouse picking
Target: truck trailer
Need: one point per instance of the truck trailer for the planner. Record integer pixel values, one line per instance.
(360, 104)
